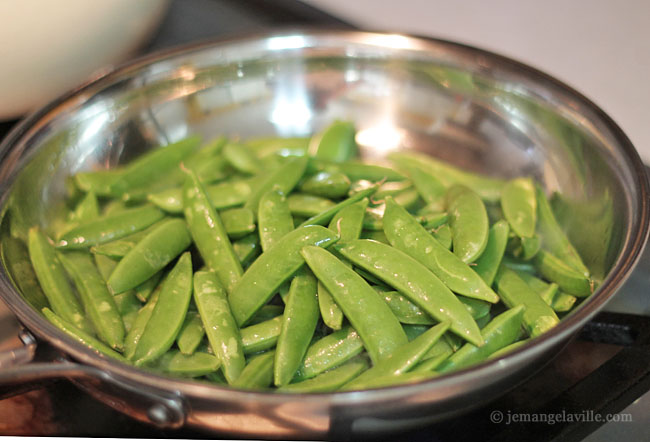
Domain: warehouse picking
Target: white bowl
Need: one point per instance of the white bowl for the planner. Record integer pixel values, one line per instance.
(48, 47)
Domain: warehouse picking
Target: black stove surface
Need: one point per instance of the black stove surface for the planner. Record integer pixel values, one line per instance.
(600, 373)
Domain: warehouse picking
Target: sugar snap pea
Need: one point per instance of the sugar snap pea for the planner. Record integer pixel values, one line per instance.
(414, 281)
(285, 178)
(335, 143)
(109, 228)
(258, 373)
(86, 210)
(348, 222)
(298, 325)
(191, 365)
(500, 332)
(238, 222)
(407, 235)
(326, 215)
(128, 306)
(330, 312)
(443, 235)
(326, 184)
(468, 221)
(519, 205)
(404, 310)
(191, 334)
(52, 279)
(15, 258)
(328, 352)
(80, 335)
(569, 279)
(261, 336)
(401, 360)
(168, 313)
(223, 195)
(539, 317)
(209, 233)
(306, 205)
(430, 189)
(488, 263)
(222, 331)
(356, 170)
(369, 315)
(272, 268)
(138, 325)
(242, 158)
(273, 217)
(330, 380)
(95, 297)
(150, 255)
(246, 248)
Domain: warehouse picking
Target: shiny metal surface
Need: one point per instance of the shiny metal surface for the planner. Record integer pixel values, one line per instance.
(473, 108)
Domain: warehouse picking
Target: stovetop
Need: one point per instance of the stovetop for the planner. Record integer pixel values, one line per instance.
(603, 373)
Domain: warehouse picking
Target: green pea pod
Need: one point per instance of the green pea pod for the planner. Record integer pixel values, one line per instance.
(402, 360)
(356, 170)
(241, 158)
(503, 330)
(335, 143)
(507, 349)
(97, 181)
(487, 188)
(238, 222)
(52, 279)
(373, 219)
(545, 290)
(443, 235)
(258, 373)
(570, 280)
(406, 311)
(468, 221)
(191, 334)
(274, 218)
(298, 326)
(168, 313)
(413, 280)
(128, 306)
(150, 255)
(15, 258)
(327, 184)
(407, 235)
(191, 365)
(97, 301)
(410, 377)
(119, 248)
(139, 324)
(264, 146)
(475, 307)
(328, 352)
(209, 233)
(433, 220)
(265, 275)
(261, 336)
(369, 315)
(379, 236)
(87, 209)
(151, 166)
(429, 365)
(285, 178)
(109, 228)
(246, 248)
(430, 189)
(222, 331)
(269, 311)
(330, 312)
(488, 263)
(113, 206)
(408, 199)
(539, 317)
(329, 381)
(326, 216)
(348, 222)
(224, 195)
(530, 247)
(306, 205)
(553, 238)
(563, 302)
(80, 335)
(519, 205)
(390, 188)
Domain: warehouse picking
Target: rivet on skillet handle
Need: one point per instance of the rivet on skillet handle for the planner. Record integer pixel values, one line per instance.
(17, 368)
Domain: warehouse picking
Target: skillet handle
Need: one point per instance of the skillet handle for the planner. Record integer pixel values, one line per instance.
(18, 368)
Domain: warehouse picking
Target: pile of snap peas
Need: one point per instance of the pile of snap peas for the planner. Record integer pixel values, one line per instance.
(287, 264)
